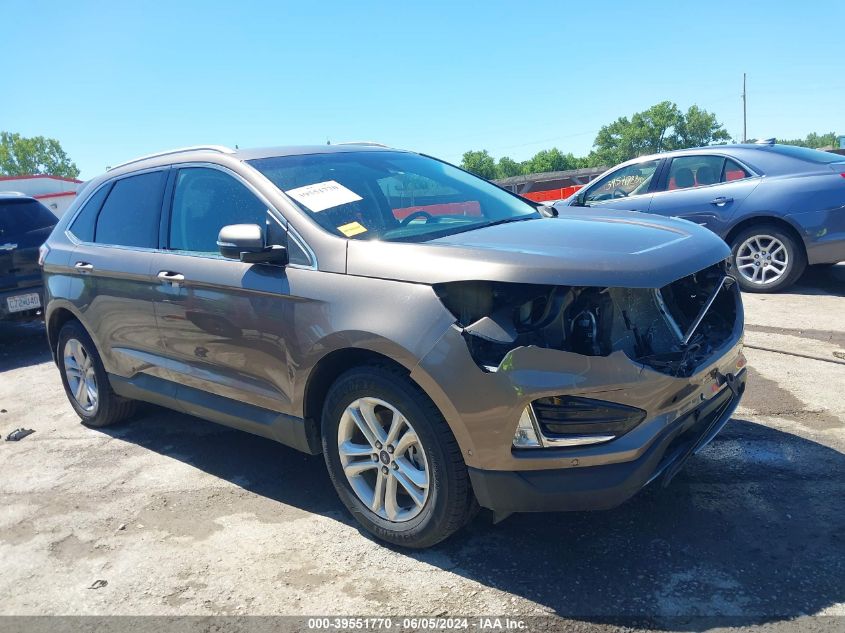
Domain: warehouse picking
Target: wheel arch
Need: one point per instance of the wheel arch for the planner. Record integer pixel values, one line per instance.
(329, 368)
(55, 321)
(781, 223)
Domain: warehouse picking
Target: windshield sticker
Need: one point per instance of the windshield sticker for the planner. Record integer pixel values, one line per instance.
(323, 195)
(353, 228)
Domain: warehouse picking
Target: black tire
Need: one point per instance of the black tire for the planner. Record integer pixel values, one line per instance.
(450, 502)
(796, 258)
(110, 408)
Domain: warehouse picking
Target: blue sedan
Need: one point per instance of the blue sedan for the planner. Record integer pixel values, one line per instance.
(778, 207)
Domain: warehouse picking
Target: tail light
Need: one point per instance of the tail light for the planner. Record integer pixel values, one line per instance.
(43, 250)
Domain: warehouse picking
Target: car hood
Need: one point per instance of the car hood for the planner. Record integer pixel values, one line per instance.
(619, 249)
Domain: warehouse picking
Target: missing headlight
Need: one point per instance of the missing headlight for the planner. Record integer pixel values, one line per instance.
(673, 329)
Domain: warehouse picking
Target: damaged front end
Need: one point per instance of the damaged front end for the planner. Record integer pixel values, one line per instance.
(673, 330)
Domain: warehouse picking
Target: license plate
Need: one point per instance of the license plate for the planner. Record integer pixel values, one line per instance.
(19, 303)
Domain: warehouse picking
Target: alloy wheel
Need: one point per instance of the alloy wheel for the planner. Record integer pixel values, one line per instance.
(762, 259)
(81, 376)
(383, 459)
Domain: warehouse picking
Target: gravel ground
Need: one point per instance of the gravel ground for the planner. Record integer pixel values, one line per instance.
(171, 515)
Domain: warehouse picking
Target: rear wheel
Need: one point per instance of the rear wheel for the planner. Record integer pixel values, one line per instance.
(85, 381)
(393, 459)
(767, 258)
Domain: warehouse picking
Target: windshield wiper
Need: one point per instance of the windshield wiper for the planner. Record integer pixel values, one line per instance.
(455, 229)
(507, 220)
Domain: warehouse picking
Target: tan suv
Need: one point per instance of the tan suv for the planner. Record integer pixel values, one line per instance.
(439, 340)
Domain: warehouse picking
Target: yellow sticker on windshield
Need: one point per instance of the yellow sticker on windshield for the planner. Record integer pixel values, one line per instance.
(353, 228)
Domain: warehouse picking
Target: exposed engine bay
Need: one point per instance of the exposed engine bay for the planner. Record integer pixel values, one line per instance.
(673, 329)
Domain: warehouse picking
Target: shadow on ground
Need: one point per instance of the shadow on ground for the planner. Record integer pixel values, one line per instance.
(821, 280)
(22, 344)
(751, 531)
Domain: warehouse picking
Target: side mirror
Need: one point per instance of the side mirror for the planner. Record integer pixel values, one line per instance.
(581, 198)
(245, 242)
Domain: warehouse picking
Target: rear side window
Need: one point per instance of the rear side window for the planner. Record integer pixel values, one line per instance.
(204, 201)
(695, 171)
(83, 225)
(130, 215)
(734, 171)
(22, 216)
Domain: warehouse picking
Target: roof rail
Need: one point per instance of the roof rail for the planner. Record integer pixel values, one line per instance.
(365, 144)
(212, 148)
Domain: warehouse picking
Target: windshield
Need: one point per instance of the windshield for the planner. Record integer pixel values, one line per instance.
(392, 196)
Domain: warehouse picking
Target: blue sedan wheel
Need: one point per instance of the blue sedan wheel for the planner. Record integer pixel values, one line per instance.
(767, 259)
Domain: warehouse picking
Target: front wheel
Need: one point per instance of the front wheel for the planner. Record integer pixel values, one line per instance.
(393, 459)
(767, 259)
(85, 381)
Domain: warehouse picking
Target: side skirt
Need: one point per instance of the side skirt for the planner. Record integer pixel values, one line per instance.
(285, 429)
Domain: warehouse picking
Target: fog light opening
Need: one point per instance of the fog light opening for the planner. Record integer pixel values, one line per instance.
(526, 435)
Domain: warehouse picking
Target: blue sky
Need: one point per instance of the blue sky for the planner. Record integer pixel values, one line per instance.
(113, 80)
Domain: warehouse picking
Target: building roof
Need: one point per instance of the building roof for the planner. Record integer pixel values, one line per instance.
(40, 177)
(569, 174)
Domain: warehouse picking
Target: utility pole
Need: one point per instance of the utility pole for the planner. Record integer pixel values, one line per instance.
(744, 119)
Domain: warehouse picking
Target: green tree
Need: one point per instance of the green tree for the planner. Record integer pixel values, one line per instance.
(662, 127)
(37, 155)
(698, 128)
(550, 160)
(480, 163)
(647, 132)
(814, 141)
(508, 167)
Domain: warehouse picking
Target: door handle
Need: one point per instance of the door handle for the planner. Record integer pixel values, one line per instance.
(171, 277)
(8, 247)
(721, 201)
(84, 267)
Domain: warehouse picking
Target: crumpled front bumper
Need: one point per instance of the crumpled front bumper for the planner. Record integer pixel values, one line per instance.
(607, 486)
(483, 409)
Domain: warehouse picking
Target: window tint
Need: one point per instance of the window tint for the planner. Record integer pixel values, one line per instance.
(130, 215)
(83, 225)
(22, 216)
(695, 171)
(734, 171)
(204, 201)
(628, 181)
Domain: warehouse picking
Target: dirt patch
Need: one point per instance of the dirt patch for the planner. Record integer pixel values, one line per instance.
(71, 548)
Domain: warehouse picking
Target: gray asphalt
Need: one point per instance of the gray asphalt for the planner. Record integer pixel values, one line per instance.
(181, 516)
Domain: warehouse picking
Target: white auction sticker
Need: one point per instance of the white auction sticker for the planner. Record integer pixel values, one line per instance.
(323, 195)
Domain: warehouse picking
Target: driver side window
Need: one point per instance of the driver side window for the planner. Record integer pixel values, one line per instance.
(204, 201)
(622, 183)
